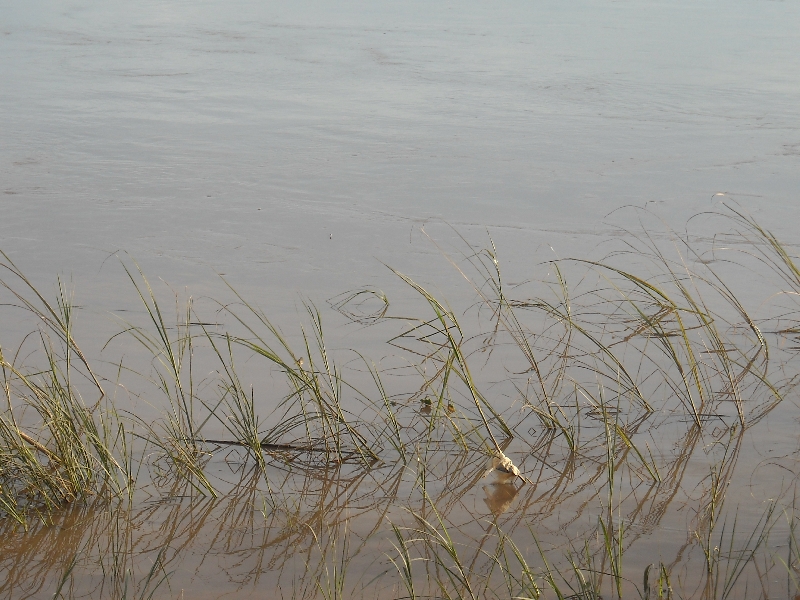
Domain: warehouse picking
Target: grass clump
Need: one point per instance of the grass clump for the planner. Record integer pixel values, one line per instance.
(54, 448)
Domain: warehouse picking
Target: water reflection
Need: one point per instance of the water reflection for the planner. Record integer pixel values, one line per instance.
(301, 515)
(603, 458)
(500, 495)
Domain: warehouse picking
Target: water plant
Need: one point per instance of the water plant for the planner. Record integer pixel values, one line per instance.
(613, 399)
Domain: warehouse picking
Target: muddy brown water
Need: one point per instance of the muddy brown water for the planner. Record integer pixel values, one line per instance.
(296, 149)
(313, 522)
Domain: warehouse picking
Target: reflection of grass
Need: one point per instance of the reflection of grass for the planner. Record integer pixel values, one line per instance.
(597, 367)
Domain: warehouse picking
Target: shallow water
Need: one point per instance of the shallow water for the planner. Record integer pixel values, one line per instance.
(296, 148)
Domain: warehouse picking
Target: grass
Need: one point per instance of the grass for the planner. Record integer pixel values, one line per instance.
(74, 451)
(607, 382)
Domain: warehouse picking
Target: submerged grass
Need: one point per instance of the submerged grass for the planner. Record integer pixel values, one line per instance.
(588, 371)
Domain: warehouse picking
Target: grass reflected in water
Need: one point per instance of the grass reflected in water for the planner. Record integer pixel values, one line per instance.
(645, 406)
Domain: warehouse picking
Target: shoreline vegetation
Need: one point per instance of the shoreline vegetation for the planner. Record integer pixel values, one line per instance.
(594, 408)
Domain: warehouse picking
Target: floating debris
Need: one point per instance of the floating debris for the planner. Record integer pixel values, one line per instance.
(503, 464)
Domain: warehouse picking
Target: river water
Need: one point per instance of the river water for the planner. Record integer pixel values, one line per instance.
(296, 144)
(299, 147)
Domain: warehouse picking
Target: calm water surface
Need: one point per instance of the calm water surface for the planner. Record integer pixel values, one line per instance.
(238, 137)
